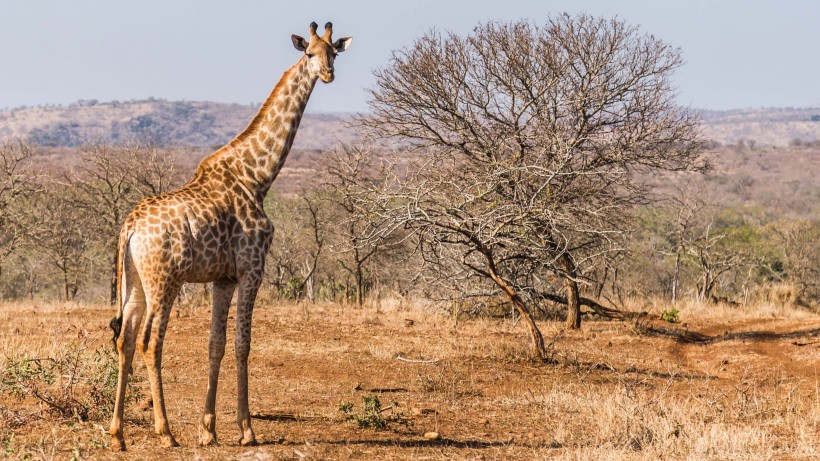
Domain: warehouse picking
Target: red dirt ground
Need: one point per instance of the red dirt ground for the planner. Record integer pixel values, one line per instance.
(484, 394)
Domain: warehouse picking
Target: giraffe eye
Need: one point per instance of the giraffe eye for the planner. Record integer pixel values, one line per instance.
(309, 55)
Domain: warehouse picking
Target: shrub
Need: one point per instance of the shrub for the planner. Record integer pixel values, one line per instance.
(371, 415)
(670, 315)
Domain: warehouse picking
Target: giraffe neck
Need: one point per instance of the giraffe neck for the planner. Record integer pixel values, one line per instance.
(257, 154)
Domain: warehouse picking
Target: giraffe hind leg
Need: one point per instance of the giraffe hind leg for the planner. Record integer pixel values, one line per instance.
(129, 324)
(160, 302)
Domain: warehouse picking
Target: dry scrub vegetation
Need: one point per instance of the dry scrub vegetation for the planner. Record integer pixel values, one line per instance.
(715, 386)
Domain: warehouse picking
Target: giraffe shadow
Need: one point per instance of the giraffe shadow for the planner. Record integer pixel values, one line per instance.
(404, 443)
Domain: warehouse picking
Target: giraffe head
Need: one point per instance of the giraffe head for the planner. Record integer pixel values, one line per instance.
(321, 51)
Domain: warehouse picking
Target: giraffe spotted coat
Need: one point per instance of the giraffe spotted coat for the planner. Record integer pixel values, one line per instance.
(213, 229)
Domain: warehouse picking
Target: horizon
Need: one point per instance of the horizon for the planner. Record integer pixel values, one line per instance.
(739, 55)
(83, 103)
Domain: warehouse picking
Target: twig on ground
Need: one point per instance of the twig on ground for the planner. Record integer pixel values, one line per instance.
(403, 359)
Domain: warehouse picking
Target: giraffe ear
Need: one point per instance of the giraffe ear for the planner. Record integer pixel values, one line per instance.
(342, 44)
(298, 42)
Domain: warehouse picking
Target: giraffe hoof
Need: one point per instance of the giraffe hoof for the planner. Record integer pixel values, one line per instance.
(207, 440)
(168, 441)
(117, 444)
(248, 441)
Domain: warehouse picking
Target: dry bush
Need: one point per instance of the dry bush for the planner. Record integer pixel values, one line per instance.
(56, 362)
(73, 382)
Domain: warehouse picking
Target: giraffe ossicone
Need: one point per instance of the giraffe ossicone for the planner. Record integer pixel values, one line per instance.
(213, 229)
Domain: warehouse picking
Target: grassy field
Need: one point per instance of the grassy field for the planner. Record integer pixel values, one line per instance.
(722, 384)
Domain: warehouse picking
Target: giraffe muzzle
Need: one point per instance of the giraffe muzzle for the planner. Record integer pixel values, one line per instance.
(327, 76)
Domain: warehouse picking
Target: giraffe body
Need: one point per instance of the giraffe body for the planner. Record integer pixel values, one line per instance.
(213, 229)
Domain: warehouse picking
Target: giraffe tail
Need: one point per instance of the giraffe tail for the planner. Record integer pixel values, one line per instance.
(116, 323)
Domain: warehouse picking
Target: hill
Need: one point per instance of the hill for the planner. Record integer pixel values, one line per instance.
(155, 121)
(210, 124)
(765, 126)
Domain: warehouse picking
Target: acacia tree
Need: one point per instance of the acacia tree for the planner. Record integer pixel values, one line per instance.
(284, 257)
(316, 229)
(718, 247)
(524, 144)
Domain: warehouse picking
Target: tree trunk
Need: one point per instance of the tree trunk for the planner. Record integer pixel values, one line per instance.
(359, 285)
(347, 290)
(573, 295)
(675, 279)
(65, 284)
(30, 278)
(535, 333)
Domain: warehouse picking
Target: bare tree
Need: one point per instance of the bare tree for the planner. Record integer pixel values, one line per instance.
(799, 243)
(17, 182)
(716, 253)
(348, 176)
(317, 231)
(104, 193)
(524, 142)
(687, 206)
(63, 238)
(153, 171)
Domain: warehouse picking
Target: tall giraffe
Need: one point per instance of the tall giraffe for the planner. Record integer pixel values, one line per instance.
(214, 229)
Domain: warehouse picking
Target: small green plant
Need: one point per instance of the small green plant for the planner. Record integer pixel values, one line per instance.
(670, 315)
(372, 413)
(8, 446)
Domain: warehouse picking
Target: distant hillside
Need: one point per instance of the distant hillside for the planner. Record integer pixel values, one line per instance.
(209, 124)
(159, 122)
(767, 127)
(781, 179)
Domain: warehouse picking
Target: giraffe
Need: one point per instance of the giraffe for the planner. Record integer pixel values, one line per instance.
(213, 229)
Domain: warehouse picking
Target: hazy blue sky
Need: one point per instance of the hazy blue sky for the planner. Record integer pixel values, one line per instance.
(739, 53)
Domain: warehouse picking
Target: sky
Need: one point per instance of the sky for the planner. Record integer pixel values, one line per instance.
(738, 53)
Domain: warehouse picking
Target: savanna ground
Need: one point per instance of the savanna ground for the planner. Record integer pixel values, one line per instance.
(725, 383)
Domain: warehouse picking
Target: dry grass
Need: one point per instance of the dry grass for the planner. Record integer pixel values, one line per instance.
(691, 309)
(616, 392)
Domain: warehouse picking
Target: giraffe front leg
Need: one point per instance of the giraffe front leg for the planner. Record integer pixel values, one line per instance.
(248, 287)
(222, 294)
(159, 311)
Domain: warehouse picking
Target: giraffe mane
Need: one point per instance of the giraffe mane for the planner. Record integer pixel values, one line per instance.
(259, 118)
